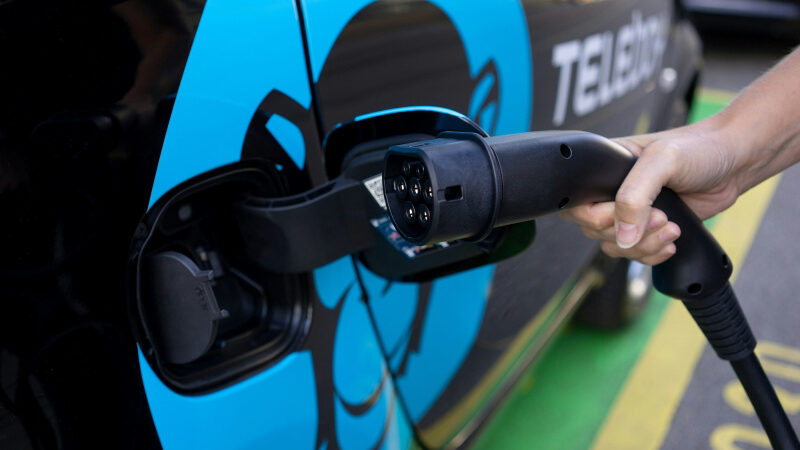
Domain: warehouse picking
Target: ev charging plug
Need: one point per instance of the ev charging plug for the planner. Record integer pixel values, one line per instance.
(463, 185)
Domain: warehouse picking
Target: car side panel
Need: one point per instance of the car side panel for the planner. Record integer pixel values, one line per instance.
(453, 344)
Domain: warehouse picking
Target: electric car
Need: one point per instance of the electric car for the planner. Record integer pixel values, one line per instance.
(195, 249)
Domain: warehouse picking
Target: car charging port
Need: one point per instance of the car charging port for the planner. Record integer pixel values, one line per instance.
(207, 314)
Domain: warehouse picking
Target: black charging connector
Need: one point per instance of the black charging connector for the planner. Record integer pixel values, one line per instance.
(478, 183)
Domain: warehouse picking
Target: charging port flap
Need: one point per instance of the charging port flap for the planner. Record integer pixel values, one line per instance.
(300, 233)
(208, 314)
(184, 326)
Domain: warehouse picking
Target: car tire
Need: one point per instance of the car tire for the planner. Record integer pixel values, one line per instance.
(620, 299)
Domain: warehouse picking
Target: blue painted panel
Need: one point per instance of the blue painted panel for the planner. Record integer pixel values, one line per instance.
(485, 118)
(452, 320)
(491, 31)
(243, 49)
(392, 308)
(480, 93)
(276, 407)
(455, 312)
(399, 435)
(359, 373)
(363, 431)
(357, 363)
(359, 369)
(289, 137)
(336, 280)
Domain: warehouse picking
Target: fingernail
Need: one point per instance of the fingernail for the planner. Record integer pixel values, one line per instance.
(667, 251)
(657, 221)
(670, 234)
(626, 235)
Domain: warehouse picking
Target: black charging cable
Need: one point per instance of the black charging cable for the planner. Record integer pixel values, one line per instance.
(463, 185)
(698, 276)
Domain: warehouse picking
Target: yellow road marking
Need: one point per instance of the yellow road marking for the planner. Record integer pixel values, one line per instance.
(727, 436)
(642, 413)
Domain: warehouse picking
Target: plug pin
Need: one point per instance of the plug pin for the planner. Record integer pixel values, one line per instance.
(427, 191)
(409, 212)
(419, 171)
(415, 189)
(400, 187)
(406, 168)
(424, 215)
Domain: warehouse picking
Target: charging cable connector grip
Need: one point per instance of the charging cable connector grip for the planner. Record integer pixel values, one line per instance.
(698, 274)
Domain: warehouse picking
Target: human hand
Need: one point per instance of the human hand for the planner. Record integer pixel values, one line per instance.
(698, 162)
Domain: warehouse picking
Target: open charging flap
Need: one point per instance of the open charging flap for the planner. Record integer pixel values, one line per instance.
(220, 267)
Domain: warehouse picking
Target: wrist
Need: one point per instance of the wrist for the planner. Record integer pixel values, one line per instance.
(740, 149)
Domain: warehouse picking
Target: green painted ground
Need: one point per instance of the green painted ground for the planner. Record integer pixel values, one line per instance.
(561, 402)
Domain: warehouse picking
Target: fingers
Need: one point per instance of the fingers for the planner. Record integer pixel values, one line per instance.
(597, 222)
(654, 248)
(652, 260)
(637, 193)
(657, 220)
(596, 216)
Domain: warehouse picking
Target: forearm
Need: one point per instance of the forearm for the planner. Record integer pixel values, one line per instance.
(762, 125)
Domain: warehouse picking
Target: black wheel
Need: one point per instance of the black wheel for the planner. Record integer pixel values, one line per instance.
(620, 299)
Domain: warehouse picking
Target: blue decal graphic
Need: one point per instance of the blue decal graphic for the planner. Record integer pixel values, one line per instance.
(451, 325)
(483, 105)
(481, 92)
(277, 407)
(366, 409)
(453, 312)
(230, 69)
(500, 36)
(359, 376)
(334, 279)
(290, 137)
(499, 56)
(393, 306)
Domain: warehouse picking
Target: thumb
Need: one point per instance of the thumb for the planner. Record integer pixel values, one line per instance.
(638, 192)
